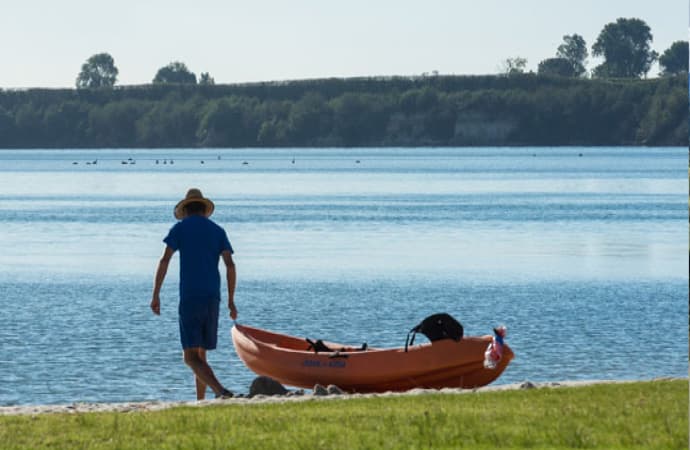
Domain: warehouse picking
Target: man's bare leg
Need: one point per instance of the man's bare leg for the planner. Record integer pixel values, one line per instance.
(200, 385)
(202, 370)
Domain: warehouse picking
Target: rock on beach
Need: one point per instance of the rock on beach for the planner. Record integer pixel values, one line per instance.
(263, 385)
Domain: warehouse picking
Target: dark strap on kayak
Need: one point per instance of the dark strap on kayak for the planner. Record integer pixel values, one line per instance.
(337, 354)
(318, 346)
(409, 341)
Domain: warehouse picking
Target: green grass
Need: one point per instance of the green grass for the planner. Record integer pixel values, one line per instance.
(651, 415)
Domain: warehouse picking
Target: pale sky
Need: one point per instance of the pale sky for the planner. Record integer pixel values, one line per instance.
(44, 43)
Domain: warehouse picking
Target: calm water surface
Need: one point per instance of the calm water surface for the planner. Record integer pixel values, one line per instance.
(581, 252)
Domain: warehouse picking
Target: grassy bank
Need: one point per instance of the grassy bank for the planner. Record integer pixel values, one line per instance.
(445, 110)
(636, 415)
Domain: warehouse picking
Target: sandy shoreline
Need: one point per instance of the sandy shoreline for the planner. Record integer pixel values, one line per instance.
(159, 405)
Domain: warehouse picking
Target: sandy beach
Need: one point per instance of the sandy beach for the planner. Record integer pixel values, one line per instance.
(126, 407)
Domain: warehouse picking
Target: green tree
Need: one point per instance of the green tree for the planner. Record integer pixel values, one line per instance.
(65, 123)
(359, 119)
(229, 122)
(574, 50)
(440, 121)
(309, 119)
(175, 72)
(114, 123)
(97, 72)
(558, 67)
(512, 66)
(7, 131)
(675, 59)
(28, 119)
(273, 133)
(417, 100)
(206, 79)
(626, 48)
(172, 122)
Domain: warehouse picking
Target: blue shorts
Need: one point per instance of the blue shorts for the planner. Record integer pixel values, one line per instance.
(199, 323)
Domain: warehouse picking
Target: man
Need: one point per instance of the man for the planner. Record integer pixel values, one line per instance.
(200, 242)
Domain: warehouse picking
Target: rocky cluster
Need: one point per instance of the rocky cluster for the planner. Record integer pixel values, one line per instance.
(267, 386)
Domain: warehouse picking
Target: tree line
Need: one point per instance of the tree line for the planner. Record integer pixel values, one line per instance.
(625, 45)
(561, 104)
(519, 109)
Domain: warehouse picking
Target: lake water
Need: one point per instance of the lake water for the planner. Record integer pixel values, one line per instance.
(581, 252)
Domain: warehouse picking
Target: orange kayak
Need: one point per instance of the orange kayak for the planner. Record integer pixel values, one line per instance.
(441, 364)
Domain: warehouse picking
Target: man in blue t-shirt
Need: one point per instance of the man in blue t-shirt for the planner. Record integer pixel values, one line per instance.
(201, 242)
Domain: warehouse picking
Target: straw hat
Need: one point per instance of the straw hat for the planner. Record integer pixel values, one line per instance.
(193, 195)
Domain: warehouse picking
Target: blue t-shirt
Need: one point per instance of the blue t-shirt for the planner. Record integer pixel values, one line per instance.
(200, 242)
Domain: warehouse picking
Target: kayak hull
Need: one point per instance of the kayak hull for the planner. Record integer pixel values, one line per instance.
(441, 364)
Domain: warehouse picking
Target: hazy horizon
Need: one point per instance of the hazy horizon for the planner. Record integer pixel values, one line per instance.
(272, 41)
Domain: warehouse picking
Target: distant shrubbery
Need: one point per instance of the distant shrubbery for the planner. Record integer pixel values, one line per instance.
(520, 109)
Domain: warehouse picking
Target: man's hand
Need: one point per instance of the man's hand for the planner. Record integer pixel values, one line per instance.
(233, 311)
(158, 281)
(156, 305)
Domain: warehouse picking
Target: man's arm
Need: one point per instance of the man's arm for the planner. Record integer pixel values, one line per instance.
(231, 275)
(158, 281)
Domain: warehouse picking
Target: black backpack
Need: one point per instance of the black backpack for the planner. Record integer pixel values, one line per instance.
(436, 327)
